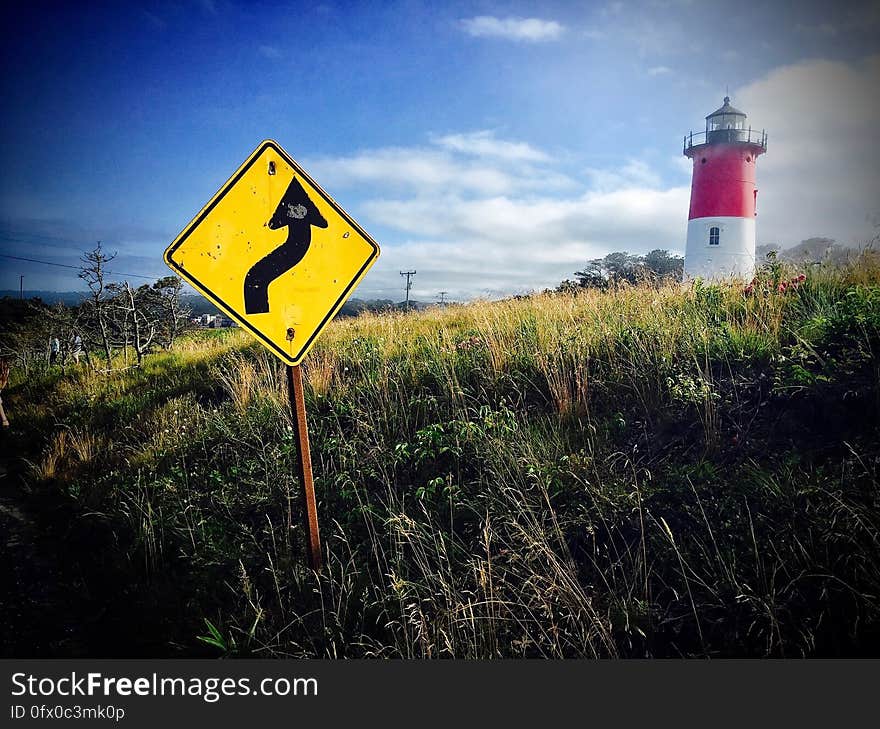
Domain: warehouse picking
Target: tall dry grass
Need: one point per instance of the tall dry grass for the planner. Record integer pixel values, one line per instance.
(562, 475)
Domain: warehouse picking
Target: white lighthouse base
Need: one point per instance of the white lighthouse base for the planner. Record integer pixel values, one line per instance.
(732, 258)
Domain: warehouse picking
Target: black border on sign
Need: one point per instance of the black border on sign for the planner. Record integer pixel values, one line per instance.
(219, 195)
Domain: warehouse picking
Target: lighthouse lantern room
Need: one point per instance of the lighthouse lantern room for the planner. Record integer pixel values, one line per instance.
(721, 222)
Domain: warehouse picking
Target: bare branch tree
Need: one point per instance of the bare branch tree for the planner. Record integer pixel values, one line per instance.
(174, 313)
(93, 272)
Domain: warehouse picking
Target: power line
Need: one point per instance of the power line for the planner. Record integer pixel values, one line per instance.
(77, 268)
(45, 263)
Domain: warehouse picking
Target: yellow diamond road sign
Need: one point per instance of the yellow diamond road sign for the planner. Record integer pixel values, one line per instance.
(275, 252)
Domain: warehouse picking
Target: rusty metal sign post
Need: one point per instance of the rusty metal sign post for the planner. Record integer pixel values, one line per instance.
(278, 255)
(304, 463)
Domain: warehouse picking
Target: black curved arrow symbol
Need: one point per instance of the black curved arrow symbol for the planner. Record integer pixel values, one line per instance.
(299, 214)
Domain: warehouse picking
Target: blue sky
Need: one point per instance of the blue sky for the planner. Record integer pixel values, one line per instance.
(494, 147)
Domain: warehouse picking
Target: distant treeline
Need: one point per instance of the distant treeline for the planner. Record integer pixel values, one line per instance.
(658, 266)
(112, 324)
(197, 304)
(108, 320)
(621, 267)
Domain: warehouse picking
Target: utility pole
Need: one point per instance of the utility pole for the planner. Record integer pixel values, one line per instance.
(442, 301)
(21, 288)
(409, 275)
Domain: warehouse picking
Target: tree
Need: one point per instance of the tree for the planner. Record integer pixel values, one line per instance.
(566, 287)
(143, 310)
(592, 276)
(664, 267)
(63, 322)
(613, 269)
(136, 315)
(114, 317)
(93, 271)
(174, 313)
(619, 267)
(25, 330)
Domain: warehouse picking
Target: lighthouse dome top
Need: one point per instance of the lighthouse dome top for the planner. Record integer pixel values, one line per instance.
(726, 125)
(726, 109)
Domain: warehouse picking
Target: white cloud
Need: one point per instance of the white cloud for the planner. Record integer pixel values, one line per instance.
(519, 29)
(465, 270)
(484, 144)
(476, 214)
(659, 70)
(499, 246)
(480, 219)
(476, 163)
(682, 165)
(610, 218)
(634, 174)
(820, 174)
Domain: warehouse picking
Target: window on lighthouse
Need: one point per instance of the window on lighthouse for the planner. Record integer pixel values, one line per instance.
(726, 121)
(714, 236)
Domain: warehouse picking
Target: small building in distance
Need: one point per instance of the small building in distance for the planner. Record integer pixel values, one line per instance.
(213, 321)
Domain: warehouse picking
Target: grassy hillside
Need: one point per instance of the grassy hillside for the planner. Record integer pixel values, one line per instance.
(633, 473)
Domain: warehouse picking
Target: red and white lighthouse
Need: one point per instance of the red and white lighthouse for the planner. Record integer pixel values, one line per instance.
(721, 222)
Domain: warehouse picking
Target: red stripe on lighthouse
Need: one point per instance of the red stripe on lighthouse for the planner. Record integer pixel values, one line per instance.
(724, 180)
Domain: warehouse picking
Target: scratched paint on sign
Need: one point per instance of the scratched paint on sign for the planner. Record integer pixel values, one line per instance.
(275, 252)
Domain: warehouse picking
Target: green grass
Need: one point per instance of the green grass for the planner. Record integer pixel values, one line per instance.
(632, 473)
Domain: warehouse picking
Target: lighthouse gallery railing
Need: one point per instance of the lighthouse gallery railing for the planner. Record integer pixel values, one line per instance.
(747, 136)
